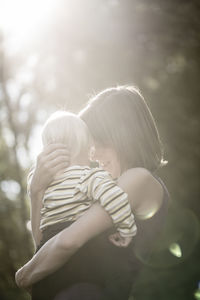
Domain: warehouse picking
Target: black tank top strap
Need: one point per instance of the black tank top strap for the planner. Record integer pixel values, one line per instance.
(166, 195)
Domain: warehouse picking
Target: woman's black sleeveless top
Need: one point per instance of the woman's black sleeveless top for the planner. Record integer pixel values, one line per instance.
(101, 263)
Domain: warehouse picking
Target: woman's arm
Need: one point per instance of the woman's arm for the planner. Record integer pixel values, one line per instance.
(62, 246)
(36, 205)
(138, 183)
(52, 160)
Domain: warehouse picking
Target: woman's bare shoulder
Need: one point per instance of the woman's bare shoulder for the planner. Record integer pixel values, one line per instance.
(138, 176)
(144, 190)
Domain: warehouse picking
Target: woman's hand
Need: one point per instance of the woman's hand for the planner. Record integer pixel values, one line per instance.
(52, 160)
(119, 240)
(20, 279)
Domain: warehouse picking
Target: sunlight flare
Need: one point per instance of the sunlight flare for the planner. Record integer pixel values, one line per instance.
(175, 249)
(20, 19)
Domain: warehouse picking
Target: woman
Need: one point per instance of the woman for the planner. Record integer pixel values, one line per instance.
(127, 145)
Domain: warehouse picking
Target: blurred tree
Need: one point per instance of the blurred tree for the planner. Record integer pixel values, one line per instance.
(15, 245)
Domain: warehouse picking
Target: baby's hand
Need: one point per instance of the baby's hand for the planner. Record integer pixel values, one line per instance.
(119, 240)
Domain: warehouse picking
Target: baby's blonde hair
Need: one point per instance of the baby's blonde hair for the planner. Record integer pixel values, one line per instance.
(67, 128)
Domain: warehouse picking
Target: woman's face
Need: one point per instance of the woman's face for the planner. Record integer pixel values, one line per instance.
(108, 159)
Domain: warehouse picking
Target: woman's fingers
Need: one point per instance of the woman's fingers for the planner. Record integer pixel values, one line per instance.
(59, 167)
(54, 147)
(51, 152)
(51, 161)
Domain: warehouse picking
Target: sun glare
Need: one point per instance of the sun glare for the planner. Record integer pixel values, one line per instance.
(20, 19)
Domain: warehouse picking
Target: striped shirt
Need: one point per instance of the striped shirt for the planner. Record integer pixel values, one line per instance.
(76, 189)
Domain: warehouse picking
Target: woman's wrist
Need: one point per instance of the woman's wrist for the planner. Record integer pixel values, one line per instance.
(36, 190)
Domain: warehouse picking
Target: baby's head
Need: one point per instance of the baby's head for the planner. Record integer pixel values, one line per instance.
(67, 128)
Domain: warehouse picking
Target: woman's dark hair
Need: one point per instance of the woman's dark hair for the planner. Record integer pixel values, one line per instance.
(120, 118)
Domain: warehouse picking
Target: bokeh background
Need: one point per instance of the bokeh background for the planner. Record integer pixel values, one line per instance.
(56, 54)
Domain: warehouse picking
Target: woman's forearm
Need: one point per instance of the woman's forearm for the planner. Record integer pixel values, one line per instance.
(61, 247)
(47, 260)
(36, 205)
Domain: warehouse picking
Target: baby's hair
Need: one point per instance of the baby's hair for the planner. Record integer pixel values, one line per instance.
(67, 128)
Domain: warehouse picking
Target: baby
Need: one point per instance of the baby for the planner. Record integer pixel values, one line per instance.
(75, 189)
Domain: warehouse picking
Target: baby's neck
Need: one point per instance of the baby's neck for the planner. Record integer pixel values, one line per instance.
(80, 161)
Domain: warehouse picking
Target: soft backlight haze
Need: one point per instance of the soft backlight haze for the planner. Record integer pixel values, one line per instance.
(55, 54)
(22, 20)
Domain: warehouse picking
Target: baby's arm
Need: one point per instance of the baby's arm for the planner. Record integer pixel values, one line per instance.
(114, 200)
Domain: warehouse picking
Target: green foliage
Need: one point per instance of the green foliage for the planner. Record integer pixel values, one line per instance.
(153, 44)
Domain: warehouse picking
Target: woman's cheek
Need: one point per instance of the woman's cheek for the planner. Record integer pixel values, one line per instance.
(113, 169)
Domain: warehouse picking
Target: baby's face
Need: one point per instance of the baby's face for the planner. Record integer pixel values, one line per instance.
(108, 160)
